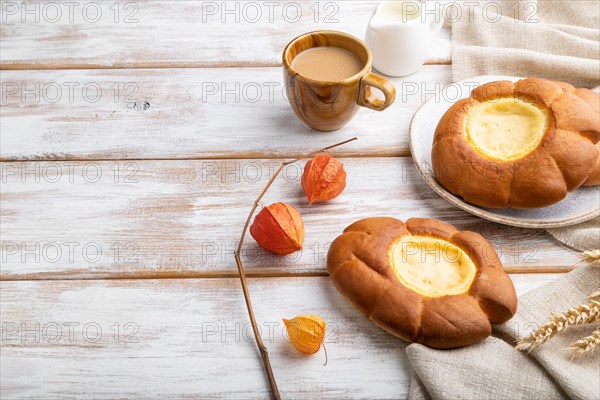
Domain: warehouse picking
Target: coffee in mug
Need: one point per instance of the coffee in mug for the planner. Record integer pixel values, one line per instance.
(328, 77)
(327, 63)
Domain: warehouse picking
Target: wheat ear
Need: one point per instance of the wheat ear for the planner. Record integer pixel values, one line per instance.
(592, 257)
(585, 313)
(587, 345)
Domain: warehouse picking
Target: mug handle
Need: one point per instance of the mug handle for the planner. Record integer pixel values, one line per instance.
(371, 101)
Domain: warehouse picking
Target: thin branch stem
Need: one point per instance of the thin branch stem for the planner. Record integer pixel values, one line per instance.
(238, 259)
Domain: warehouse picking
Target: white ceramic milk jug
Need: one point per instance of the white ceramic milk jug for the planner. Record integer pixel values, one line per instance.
(399, 35)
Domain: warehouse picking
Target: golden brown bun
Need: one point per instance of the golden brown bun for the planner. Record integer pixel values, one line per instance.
(593, 99)
(563, 161)
(594, 178)
(359, 264)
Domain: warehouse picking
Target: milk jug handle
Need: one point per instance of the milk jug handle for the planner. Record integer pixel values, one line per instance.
(435, 21)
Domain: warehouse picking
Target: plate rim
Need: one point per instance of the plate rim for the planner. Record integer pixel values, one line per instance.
(473, 209)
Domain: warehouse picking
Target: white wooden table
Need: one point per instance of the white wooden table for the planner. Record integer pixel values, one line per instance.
(134, 138)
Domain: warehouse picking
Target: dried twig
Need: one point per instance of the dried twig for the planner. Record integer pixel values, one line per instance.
(587, 345)
(238, 259)
(585, 313)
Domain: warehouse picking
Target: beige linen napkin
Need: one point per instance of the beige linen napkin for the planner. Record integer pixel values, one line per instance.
(530, 38)
(493, 369)
(582, 237)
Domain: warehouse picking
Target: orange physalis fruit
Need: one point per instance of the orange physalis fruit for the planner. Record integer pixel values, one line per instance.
(324, 178)
(306, 333)
(278, 228)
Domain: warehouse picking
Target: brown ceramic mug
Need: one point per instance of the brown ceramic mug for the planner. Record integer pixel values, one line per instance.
(329, 105)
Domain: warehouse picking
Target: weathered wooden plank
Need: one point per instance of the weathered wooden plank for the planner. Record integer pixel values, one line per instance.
(125, 34)
(183, 218)
(190, 113)
(174, 339)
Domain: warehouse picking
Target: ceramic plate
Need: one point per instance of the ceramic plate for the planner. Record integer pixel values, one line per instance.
(579, 206)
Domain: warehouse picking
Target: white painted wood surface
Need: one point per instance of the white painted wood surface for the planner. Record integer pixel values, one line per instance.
(150, 33)
(193, 113)
(162, 190)
(178, 218)
(190, 339)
